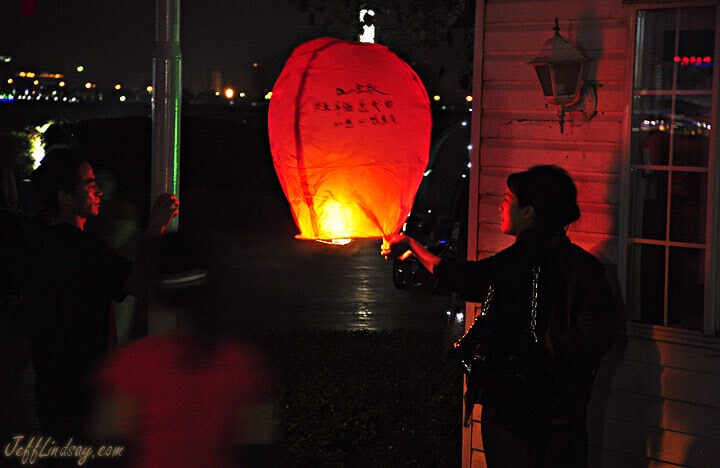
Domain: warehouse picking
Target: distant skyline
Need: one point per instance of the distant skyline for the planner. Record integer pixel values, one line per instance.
(114, 40)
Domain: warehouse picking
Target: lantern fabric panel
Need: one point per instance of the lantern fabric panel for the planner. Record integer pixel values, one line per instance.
(349, 127)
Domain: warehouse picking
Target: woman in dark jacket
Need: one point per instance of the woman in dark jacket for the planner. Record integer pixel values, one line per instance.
(535, 418)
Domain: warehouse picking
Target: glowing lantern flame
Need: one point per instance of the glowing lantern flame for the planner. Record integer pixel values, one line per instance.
(349, 126)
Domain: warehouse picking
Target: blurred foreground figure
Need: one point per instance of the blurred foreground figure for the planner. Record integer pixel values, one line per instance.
(548, 317)
(75, 279)
(186, 398)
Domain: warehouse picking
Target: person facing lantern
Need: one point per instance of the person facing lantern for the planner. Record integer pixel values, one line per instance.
(547, 318)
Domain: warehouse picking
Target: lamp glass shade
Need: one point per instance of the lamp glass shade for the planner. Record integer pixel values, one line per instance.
(567, 77)
(543, 73)
(349, 126)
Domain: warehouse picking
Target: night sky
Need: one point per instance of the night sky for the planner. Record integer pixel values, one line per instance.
(113, 40)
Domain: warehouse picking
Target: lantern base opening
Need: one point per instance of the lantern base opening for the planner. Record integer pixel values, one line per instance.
(334, 241)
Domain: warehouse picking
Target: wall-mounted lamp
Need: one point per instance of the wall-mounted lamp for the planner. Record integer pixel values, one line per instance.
(560, 71)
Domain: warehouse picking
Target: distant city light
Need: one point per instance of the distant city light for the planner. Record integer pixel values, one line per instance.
(117, 86)
(698, 61)
(469, 147)
(468, 98)
(436, 98)
(268, 96)
(80, 68)
(88, 85)
(255, 64)
(37, 150)
(229, 93)
(21, 74)
(61, 84)
(149, 89)
(241, 94)
(10, 81)
(123, 98)
(36, 82)
(464, 123)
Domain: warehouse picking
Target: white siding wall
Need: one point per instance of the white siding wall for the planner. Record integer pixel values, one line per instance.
(655, 403)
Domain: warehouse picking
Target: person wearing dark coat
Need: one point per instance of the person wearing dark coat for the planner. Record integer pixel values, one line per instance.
(75, 279)
(549, 307)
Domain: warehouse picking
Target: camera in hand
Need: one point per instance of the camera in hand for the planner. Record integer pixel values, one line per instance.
(439, 238)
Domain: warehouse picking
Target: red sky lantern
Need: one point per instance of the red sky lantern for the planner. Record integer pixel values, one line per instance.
(349, 126)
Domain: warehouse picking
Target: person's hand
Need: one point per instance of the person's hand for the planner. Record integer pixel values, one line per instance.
(397, 245)
(163, 211)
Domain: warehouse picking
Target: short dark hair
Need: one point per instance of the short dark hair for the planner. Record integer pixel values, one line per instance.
(551, 192)
(58, 133)
(57, 171)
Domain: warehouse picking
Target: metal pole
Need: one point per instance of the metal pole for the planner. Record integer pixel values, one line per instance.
(166, 102)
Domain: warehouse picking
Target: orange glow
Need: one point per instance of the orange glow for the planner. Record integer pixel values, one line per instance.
(229, 93)
(88, 85)
(61, 84)
(149, 89)
(36, 82)
(468, 98)
(349, 126)
(117, 86)
(22, 74)
(10, 81)
(436, 98)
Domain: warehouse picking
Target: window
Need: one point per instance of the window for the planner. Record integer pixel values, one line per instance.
(672, 164)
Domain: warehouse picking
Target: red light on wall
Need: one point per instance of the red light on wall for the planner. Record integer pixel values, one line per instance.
(27, 7)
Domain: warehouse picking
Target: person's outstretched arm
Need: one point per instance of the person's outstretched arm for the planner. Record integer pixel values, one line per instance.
(426, 258)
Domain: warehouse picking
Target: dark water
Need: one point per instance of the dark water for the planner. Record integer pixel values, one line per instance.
(282, 282)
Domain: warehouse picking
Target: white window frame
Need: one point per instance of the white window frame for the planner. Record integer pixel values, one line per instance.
(711, 310)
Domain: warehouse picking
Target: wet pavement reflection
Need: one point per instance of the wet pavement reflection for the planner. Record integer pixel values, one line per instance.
(282, 282)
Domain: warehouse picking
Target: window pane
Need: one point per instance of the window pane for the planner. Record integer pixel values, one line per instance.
(691, 139)
(647, 282)
(696, 48)
(649, 212)
(650, 126)
(686, 288)
(688, 206)
(655, 38)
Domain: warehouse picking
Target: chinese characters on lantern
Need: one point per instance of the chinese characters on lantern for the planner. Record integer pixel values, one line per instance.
(361, 104)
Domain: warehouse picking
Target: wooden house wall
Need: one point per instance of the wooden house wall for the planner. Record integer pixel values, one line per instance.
(655, 403)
